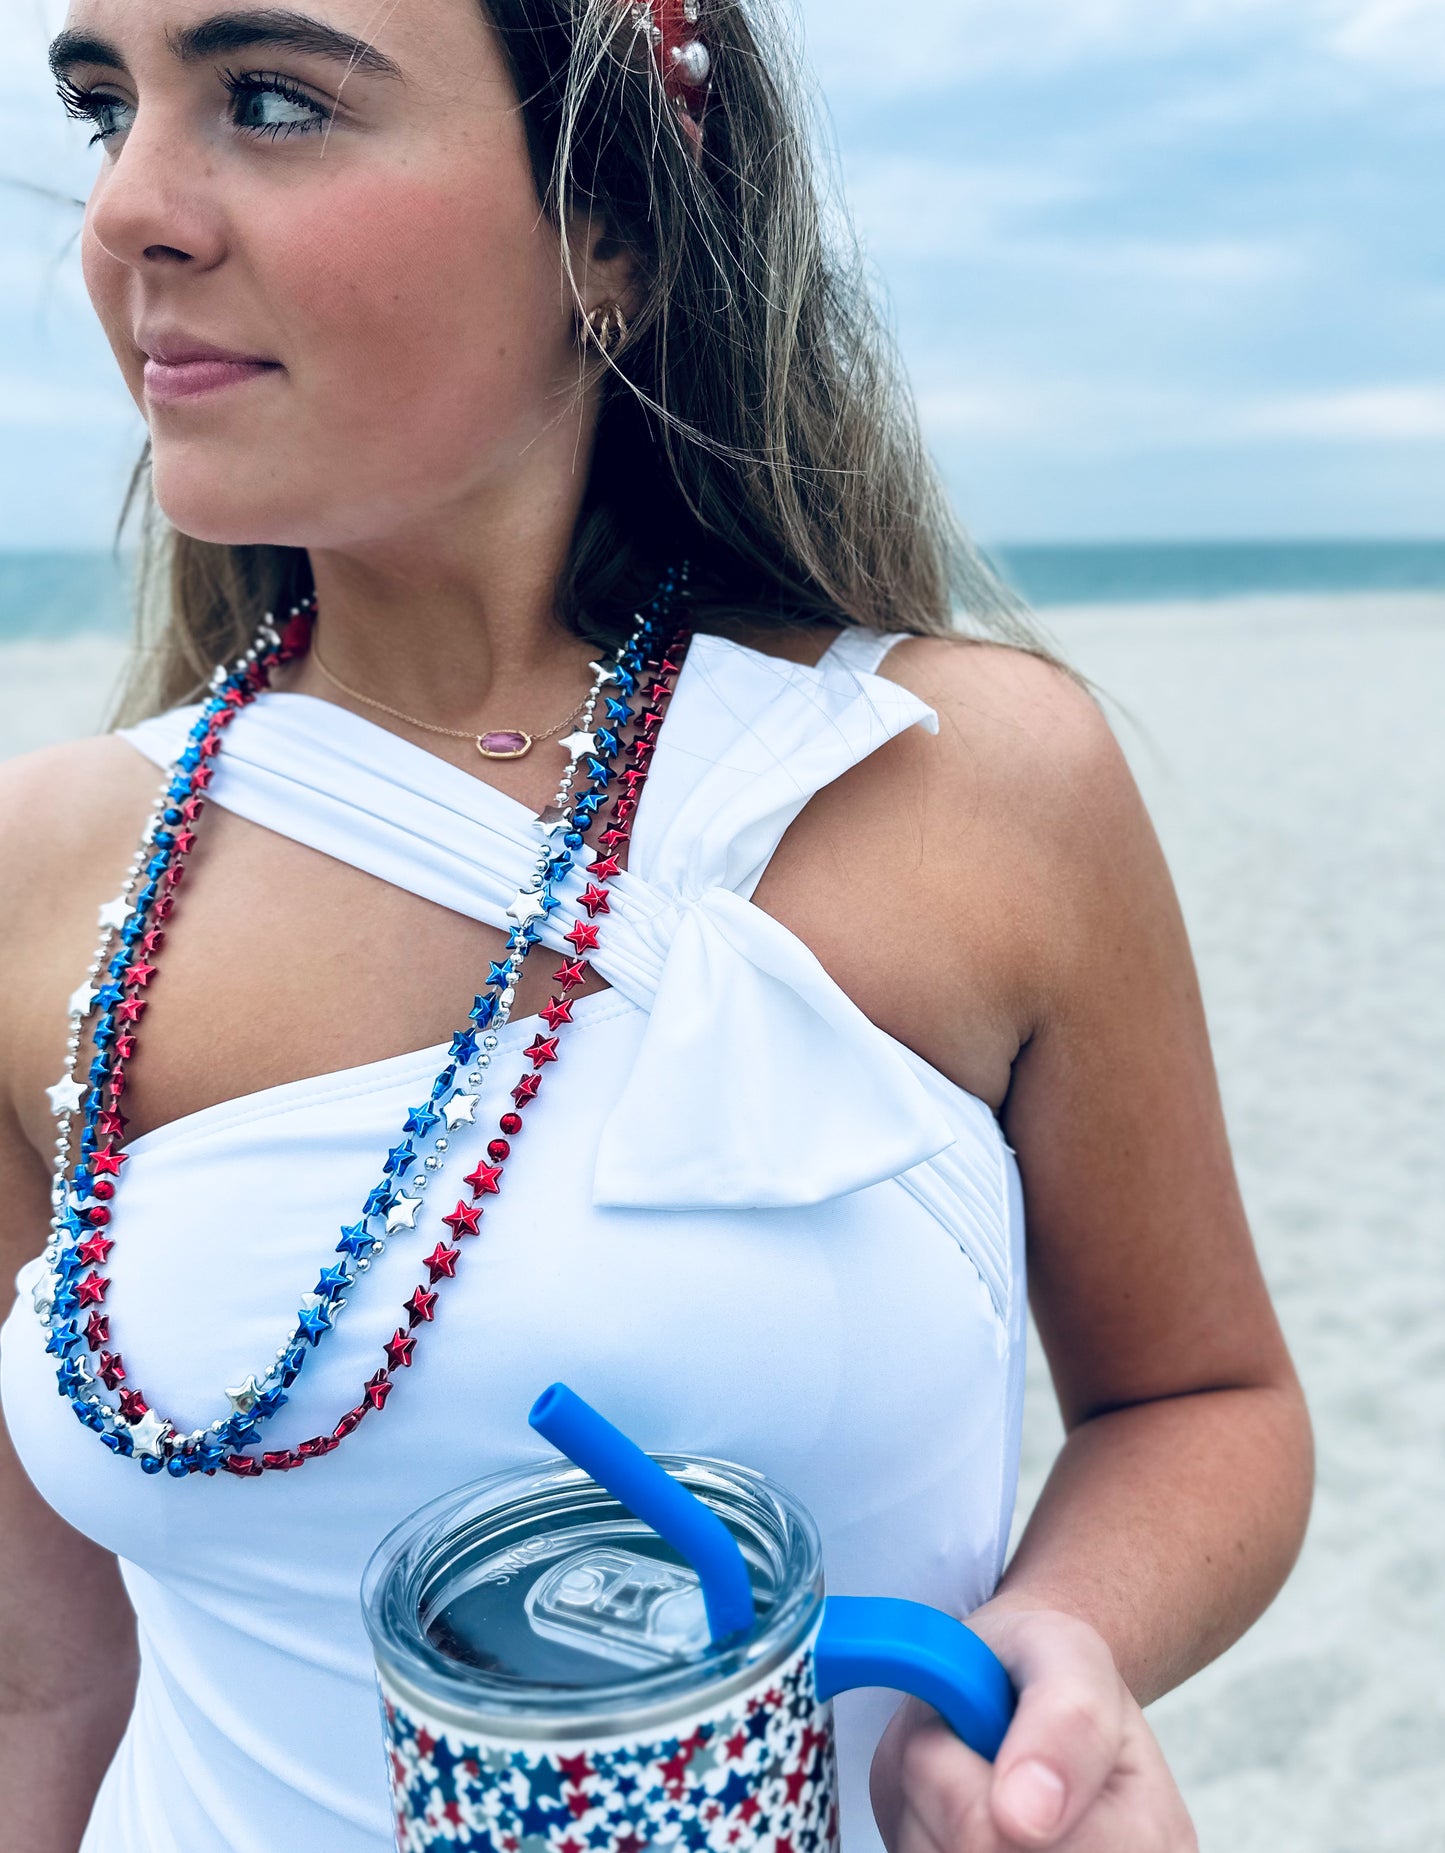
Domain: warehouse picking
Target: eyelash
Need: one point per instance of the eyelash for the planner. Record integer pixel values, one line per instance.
(91, 104)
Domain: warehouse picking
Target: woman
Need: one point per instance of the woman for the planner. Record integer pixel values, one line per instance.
(456, 331)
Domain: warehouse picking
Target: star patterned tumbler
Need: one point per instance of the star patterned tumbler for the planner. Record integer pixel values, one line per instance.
(621, 1651)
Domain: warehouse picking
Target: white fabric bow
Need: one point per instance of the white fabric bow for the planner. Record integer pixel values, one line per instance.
(758, 1083)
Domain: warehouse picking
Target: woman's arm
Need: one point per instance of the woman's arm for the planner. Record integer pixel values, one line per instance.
(1179, 1500)
(68, 1664)
(68, 1654)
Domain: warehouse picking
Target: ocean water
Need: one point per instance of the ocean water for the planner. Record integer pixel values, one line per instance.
(60, 594)
(51, 595)
(1146, 573)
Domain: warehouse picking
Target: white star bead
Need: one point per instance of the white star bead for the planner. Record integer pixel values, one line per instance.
(460, 1107)
(81, 998)
(602, 673)
(576, 744)
(42, 1294)
(115, 913)
(66, 1095)
(525, 908)
(146, 1434)
(402, 1214)
(243, 1396)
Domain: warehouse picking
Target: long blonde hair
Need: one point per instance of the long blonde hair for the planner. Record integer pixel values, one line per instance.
(756, 418)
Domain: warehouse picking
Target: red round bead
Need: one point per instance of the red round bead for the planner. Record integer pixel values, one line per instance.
(102, 1187)
(498, 1150)
(98, 1214)
(511, 1124)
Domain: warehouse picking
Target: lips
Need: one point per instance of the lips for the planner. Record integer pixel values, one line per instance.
(178, 373)
(180, 365)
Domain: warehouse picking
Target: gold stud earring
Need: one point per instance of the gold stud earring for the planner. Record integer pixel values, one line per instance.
(608, 325)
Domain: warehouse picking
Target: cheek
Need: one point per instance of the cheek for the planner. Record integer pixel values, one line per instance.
(107, 283)
(425, 315)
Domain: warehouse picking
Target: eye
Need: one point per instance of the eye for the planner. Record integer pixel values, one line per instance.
(91, 106)
(261, 103)
(268, 103)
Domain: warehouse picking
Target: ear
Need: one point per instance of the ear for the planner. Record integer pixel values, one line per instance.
(605, 268)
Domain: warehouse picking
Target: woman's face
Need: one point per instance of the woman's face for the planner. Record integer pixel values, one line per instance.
(364, 220)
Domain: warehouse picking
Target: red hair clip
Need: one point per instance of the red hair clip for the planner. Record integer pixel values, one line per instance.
(682, 58)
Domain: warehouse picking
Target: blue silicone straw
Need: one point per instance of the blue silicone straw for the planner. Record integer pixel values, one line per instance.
(692, 1529)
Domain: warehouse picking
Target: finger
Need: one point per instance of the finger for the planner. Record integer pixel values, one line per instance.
(940, 1789)
(1144, 1769)
(1067, 1733)
(964, 1824)
(900, 1764)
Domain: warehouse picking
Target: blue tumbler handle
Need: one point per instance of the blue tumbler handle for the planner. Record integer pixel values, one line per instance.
(886, 1641)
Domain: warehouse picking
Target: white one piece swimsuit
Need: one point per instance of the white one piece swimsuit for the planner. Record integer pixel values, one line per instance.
(742, 1220)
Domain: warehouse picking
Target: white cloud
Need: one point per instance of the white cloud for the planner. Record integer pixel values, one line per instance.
(1403, 35)
(1366, 414)
(856, 46)
(1114, 417)
(1215, 263)
(46, 405)
(39, 274)
(27, 27)
(1015, 411)
(1095, 416)
(915, 206)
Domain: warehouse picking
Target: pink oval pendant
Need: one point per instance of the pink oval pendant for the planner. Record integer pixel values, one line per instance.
(504, 745)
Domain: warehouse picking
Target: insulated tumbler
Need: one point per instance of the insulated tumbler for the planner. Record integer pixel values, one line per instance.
(549, 1682)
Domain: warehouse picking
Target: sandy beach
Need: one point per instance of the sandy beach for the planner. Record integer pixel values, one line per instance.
(1292, 755)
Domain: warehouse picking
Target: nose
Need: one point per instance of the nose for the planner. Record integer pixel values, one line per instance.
(155, 202)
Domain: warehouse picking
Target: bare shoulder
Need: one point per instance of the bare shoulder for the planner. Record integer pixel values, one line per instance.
(68, 786)
(1027, 764)
(1022, 795)
(70, 817)
(64, 807)
(1003, 849)
(1015, 727)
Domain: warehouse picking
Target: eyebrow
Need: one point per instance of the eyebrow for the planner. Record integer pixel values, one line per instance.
(228, 32)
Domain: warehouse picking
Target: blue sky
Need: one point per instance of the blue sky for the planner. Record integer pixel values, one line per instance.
(1155, 270)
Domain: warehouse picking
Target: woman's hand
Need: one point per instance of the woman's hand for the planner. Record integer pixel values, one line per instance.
(1079, 1770)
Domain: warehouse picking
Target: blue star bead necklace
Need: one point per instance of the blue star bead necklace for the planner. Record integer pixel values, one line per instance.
(73, 1287)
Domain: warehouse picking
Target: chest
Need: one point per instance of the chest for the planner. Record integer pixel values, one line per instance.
(282, 962)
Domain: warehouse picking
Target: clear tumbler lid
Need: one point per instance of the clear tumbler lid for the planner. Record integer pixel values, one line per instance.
(532, 1603)
(626, 1608)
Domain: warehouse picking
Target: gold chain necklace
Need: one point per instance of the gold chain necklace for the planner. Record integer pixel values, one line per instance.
(500, 743)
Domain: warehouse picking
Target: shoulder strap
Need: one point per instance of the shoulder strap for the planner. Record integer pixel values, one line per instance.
(861, 649)
(749, 739)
